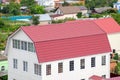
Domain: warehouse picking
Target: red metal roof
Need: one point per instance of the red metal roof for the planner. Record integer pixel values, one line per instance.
(62, 31)
(109, 25)
(67, 40)
(94, 77)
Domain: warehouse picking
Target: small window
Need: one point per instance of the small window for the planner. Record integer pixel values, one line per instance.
(104, 76)
(114, 51)
(31, 47)
(2, 68)
(93, 62)
(103, 60)
(25, 66)
(37, 69)
(16, 44)
(48, 69)
(23, 45)
(60, 67)
(71, 65)
(82, 64)
(15, 63)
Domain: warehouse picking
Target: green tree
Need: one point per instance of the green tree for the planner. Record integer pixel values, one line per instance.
(117, 68)
(79, 15)
(11, 8)
(65, 4)
(2, 24)
(27, 2)
(116, 16)
(37, 9)
(116, 56)
(35, 20)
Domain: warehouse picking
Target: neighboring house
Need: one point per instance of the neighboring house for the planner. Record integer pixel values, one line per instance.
(67, 12)
(67, 51)
(112, 28)
(44, 19)
(117, 5)
(46, 3)
(3, 65)
(101, 9)
(83, 9)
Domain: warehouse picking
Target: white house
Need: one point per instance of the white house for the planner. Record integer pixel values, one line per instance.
(46, 3)
(112, 28)
(117, 5)
(67, 51)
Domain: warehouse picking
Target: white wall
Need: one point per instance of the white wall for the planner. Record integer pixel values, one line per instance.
(21, 55)
(49, 3)
(114, 40)
(66, 16)
(78, 73)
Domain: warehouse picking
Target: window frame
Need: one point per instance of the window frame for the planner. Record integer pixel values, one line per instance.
(93, 62)
(48, 69)
(71, 65)
(60, 67)
(82, 63)
(104, 60)
(25, 66)
(15, 63)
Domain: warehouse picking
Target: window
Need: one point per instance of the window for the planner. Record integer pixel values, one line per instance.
(93, 62)
(2, 68)
(31, 47)
(60, 67)
(37, 69)
(48, 69)
(25, 66)
(16, 44)
(104, 76)
(23, 45)
(82, 64)
(71, 65)
(114, 51)
(15, 62)
(103, 60)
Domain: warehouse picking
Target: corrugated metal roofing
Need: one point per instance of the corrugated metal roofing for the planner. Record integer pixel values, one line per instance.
(62, 31)
(67, 40)
(109, 25)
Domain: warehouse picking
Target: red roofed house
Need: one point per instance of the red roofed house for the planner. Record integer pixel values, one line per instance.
(112, 28)
(68, 51)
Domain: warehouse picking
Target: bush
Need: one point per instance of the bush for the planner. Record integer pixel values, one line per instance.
(4, 77)
(116, 57)
(79, 15)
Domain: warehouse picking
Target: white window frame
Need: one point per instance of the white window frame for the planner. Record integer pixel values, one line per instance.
(25, 66)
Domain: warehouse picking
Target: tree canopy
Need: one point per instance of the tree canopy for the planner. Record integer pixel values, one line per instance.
(99, 3)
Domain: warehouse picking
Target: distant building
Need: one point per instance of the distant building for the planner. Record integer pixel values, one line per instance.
(44, 19)
(117, 5)
(3, 65)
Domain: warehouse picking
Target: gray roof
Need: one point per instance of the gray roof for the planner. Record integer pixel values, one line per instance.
(82, 8)
(101, 9)
(43, 17)
(2, 58)
(69, 9)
